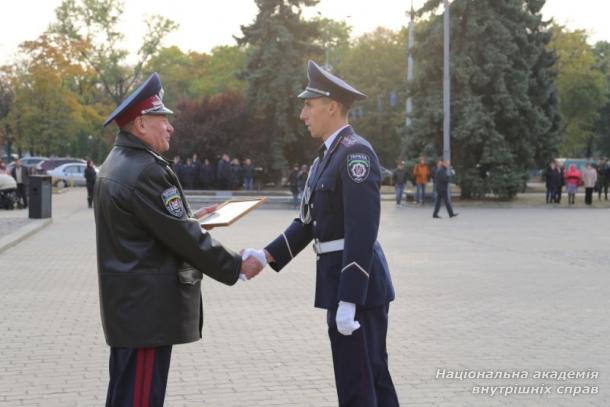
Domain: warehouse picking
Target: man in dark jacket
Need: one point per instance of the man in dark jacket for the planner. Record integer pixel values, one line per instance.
(400, 178)
(90, 175)
(207, 175)
(441, 180)
(152, 253)
(223, 173)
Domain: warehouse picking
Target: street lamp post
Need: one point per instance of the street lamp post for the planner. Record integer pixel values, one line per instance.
(446, 88)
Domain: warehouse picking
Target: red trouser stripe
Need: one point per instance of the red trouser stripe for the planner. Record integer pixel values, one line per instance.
(145, 361)
(149, 364)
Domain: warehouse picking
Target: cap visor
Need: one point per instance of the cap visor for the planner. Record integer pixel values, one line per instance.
(161, 111)
(307, 94)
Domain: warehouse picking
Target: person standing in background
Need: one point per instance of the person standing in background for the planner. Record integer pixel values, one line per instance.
(248, 171)
(90, 175)
(400, 178)
(22, 177)
(421, 172)
(573, 179)
(589, 178)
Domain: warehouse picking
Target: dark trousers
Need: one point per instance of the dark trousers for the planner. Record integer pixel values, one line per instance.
(588, 196)
(22, 194)
(90, 195)
(604, 189)
(440, 197)
(138, 376)
(551, 195)
(360, 361)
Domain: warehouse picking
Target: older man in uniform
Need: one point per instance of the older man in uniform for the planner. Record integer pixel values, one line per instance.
(151, 251)
(340, 211)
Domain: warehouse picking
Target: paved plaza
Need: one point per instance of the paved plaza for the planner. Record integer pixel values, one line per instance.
(515, 292)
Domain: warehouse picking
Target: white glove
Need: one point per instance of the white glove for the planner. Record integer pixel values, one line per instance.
(345, 318)
(259, 255)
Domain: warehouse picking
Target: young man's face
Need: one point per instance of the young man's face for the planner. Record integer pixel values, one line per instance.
(316, 116)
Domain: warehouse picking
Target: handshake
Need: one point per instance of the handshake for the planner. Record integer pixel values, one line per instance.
(253, 262)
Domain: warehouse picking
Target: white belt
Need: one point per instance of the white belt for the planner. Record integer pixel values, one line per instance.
(328, 247)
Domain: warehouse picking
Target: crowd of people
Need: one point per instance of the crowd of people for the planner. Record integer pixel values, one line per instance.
(227, 174)
(591, 178)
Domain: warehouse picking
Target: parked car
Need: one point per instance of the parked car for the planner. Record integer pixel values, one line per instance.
(28, 162)
(70, 174)
(45, 166)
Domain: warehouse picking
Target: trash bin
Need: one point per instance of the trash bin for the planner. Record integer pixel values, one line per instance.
(40, 196)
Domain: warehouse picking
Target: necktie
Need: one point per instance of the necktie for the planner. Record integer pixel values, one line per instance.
(321, 151)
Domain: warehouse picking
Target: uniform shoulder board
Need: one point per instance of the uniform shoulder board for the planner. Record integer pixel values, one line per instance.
(173, 202)
(349, 140)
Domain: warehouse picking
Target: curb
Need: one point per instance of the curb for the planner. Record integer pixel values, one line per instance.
(23, 233)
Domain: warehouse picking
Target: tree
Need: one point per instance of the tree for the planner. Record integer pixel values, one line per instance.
(279, 43)
(382, 78)
(55, 101)
(333, 40)
(216, 124)
(194, 75)
(6, 101)
(91, 28)
(582, 90)
(503, 106)
(602, 125)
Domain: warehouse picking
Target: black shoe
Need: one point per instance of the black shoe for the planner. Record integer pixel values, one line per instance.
(453, 215)
(436, 217)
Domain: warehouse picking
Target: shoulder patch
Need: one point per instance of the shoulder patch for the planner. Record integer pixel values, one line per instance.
(358, 166)
(349, 140)
(173, 202)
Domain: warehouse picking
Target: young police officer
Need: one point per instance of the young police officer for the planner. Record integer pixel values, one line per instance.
(147, 240)
(340, 212)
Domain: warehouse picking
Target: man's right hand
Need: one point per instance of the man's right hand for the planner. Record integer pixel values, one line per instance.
(251, 264)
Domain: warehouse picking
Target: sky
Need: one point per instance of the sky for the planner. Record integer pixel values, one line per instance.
(205, 24)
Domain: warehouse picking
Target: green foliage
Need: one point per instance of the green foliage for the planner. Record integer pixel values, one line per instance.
(194, 75)
(582, 90)
(503, 104)
(54, 99)
(280, 42)
(602, 125)
(376, 65)
(91, 28)
(333, 40)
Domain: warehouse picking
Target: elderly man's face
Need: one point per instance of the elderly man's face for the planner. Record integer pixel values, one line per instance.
(156, 131)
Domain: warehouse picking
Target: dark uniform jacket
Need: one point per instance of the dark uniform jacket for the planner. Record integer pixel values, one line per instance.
(148, 295)
(441, 179)
(345, 205)
(90, 176)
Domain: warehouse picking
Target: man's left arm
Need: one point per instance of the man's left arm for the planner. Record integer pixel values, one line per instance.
(360, 177)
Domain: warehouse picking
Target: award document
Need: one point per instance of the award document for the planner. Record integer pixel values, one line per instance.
(229, 211)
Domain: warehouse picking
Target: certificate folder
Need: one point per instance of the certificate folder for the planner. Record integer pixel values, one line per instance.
(229, 211)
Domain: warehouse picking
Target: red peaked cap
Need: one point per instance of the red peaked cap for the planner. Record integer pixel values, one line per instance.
(146, 100)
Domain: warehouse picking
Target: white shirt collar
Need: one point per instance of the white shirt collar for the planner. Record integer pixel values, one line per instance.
(329, 141)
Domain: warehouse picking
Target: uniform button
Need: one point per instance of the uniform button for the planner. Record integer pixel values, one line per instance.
(311, 205)
(315, 223)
